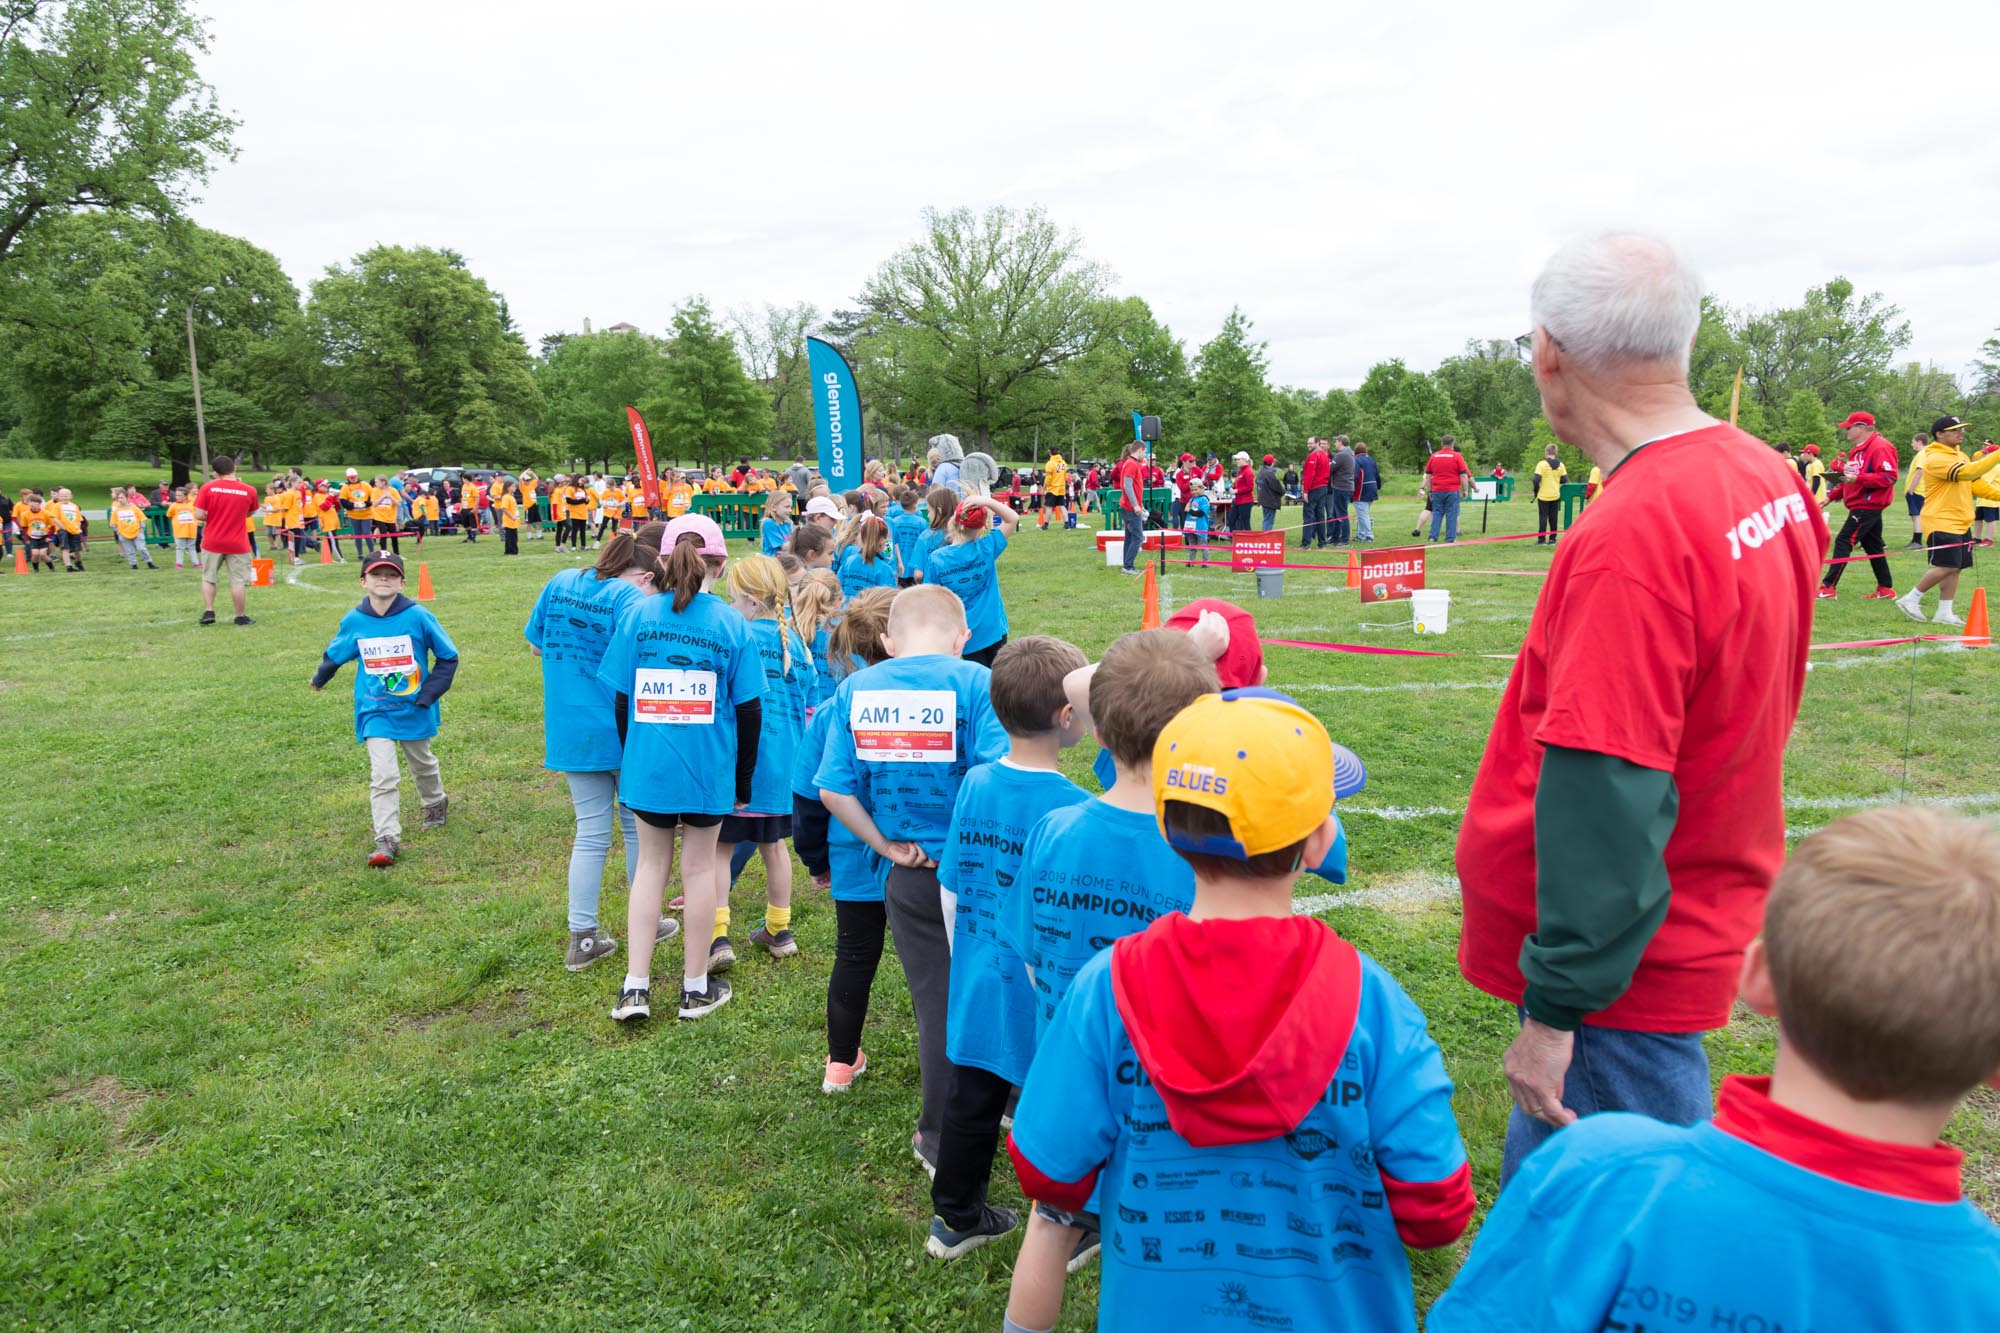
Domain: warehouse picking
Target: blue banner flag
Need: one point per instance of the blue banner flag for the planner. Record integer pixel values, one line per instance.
(1138, 426)
(836, 415)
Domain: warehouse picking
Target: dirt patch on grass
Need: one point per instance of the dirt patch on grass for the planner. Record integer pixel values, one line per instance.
(1982, 1169)
(509, 1012)
(116, 1102)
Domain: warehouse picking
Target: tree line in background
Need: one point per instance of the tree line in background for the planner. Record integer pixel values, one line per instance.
(994, 326)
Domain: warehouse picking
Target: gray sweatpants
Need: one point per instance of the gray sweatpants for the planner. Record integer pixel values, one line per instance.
(923, 944)
(385, 781)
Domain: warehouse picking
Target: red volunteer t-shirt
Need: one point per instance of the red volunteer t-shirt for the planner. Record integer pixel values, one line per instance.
(1672, 633)
(1135, 469)
(228, 504)
(1445, 466)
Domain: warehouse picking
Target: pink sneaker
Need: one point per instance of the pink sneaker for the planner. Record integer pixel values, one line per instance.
(840, 1077)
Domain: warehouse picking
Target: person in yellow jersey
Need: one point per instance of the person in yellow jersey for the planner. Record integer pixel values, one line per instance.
(384, 514)
(186, 529)
(357, 505)
(1951, 481)
(271, 515)
(324, 508)
(294, 514)
(428, 507)
(531, 503)
(468, 508)
(610, 509)
(1550, 474)
(1595, 483)
(69, 529)
(506, 506)
(36, 519)
(680, 496)
(128, 520)
(637, 511)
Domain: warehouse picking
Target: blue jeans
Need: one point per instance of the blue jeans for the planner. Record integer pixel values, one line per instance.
(1270, 516)
(1318, 511)
(595, 796)
(1336, 517)
(1364, 526)
(1135, 534)
(1444, 511)
(1659, 1074)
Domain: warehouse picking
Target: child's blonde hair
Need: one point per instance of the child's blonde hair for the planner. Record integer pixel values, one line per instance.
(779, 507)
(871, 535)
(858, 632)
(814, 602)
(926, 606)
(760, 579)
(1883, 938)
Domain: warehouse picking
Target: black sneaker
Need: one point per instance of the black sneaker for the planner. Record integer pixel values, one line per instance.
(1086, 1249)
(207, 618)
(950, 1242)
(632, 1004)
(700, 1004)
(243, 620)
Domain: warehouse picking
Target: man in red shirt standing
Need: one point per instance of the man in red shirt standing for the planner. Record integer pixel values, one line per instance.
(1449, 477)
(1130, 479)
(1315, 474)
(1241, 496)
(1186, 477)
(1628, 814)
(224, 506)
(1870, 472)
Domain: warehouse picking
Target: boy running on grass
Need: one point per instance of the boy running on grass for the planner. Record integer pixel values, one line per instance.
(407, 663)
(1258, 1105)
(1819, 1197)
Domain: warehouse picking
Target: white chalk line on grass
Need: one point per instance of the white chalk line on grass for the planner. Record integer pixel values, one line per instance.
(1877, 658)
(1414, 891)
(1870, 802)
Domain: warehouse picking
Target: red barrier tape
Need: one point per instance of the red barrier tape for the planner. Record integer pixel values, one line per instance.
(1375, 650)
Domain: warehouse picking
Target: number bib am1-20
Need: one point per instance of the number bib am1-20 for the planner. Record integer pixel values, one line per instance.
(675, 697)
(905, 726)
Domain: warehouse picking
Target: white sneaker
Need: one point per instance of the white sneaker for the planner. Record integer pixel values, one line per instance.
(1944, 617)
(1909, 606)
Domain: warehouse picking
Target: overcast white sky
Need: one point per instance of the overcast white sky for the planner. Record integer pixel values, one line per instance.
(1365, 181)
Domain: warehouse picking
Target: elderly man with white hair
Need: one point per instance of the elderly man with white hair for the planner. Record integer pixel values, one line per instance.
(1628, 814)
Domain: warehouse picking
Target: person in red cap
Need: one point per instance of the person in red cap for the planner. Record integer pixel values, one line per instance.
(1270, 491)
(1185, 478)
(1315, 475)
(1870, 471)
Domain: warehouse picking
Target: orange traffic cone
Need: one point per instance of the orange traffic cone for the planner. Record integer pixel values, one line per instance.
(1149, 615)
(326, 550)
(425, 593)
(1353, 570)
(20, 559)
(1976, 633)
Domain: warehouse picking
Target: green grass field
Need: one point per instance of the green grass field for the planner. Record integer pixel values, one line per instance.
(246, 1082)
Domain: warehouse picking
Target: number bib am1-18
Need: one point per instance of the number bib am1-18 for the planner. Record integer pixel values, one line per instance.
(905, 726)
(674, 697)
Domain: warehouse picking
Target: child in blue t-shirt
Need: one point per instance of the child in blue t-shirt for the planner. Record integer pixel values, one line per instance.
(869, 562)
(939, 504)
(776, 527)
(1257, 1105)
(902, 737)
(1093, 872)
(569, 630)
(990, 1024)
(407, 663)
(1818, 1198)
(966, 564)
(687, 688)
(906, 531)
(837, 859)
(758, 590)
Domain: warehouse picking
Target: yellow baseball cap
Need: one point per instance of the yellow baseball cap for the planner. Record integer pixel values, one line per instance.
(1259, 760)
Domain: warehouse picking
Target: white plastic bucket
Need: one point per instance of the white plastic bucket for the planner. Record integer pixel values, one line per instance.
(1432, 610)
(1114, 552)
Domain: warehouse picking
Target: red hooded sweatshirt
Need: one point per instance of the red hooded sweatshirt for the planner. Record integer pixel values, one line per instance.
(1871, 474)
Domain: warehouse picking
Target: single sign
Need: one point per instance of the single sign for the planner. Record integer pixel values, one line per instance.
(1256, 550)
(1391, 575)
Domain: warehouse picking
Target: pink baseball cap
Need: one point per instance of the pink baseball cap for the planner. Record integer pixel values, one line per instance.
(702, 526)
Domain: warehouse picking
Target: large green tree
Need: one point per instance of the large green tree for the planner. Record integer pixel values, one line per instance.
(419, 366)
(1833, 344)
(157, 419)
(1493, 397)
(708, 410)
(104, 109)
(1231, 407)
(1400, 412)
(1806, 421)
(586, 383)
(772, 343)
(1909, 400)
(969, 329)
(96, 305)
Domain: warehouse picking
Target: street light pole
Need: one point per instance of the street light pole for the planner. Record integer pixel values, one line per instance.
(194, 377)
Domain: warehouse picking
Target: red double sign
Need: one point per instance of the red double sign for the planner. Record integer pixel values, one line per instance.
(1391, 575)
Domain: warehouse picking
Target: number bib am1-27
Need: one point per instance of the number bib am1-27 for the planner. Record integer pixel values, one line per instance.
(905, 726)
(674, 697)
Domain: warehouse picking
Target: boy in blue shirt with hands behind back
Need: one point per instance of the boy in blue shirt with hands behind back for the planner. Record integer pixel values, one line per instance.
(407, 663)
(1819, 1198)
(990, 1028)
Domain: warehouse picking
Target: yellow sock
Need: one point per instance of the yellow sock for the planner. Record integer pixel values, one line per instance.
(777, 919)
(721, 922)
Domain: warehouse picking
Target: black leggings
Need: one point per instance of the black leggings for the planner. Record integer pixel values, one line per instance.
(1548, 516)
(810, 821)
(986, 655)
(857, 952)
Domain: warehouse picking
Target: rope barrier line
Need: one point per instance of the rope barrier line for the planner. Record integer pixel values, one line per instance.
(1376, 650)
